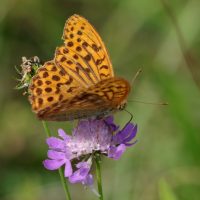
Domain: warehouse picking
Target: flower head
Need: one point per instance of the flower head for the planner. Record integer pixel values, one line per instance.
(89, 138)
(29, 68)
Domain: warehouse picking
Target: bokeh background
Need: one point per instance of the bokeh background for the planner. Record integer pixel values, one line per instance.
(160, 36)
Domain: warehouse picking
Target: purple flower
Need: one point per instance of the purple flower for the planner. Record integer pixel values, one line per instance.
(90, 137)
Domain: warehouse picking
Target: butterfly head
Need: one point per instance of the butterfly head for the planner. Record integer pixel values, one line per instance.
(122, 106)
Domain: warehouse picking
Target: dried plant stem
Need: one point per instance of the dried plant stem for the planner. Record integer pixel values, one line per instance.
(185, 52)
(62, 178)
(191, 60)
(99, 180)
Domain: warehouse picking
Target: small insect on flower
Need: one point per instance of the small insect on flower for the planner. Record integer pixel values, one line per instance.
(89, 139)
(29, 68)
(79, 81)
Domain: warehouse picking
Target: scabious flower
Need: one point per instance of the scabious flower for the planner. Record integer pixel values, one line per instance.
(89, 139)
(29, 68)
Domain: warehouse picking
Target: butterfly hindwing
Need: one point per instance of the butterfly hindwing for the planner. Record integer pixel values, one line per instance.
(96, 101)
(51, 85)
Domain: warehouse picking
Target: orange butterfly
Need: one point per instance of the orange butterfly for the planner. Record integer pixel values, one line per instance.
(79, 82)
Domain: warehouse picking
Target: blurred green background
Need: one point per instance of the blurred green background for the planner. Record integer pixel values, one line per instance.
(162, 39)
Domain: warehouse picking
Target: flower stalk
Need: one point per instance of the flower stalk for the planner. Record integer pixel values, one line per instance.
(64, 184)
(98, 174)
(62, 178)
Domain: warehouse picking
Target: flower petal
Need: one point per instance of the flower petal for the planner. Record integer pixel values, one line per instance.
(82, 165)
(63, 135)
(123, 134)
(132, 134)
(81, 174)
(110, 122)
(88, 180)
(53, 164)
(68, 168)
(130, 144)
(55, 143)
(116, 152)
(56, 155)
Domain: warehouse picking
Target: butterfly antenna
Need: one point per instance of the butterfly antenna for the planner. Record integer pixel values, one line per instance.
(136, 75)
(152, 103)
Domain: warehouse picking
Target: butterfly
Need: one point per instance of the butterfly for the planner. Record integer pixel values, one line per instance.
(79, 82)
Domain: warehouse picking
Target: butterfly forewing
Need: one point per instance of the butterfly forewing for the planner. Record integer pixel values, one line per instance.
(82, 38)
(77, 66)
(79, 82)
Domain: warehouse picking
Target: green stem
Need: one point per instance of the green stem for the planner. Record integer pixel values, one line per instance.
(64, 184)
(46, 128)
(62, 178)
(99, 180)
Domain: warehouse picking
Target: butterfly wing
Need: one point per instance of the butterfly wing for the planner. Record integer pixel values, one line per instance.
(49, 86)
(81, 66)
(98, 100)
(84, 55)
